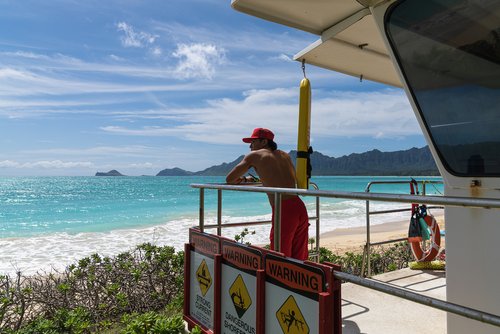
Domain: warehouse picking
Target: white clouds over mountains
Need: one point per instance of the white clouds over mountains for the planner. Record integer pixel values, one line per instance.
(334, 114)
(122, 83)
(53, 164)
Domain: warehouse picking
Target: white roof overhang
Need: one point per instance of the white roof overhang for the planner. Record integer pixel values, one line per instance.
(350, 41)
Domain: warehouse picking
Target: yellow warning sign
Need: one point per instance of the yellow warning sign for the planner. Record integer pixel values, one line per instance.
(240, 296)
(203, 277)
(291, 319)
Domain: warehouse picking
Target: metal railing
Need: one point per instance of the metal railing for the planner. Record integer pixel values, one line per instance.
(439, 304)
(367, 247)
(277, 214)
(485, 203)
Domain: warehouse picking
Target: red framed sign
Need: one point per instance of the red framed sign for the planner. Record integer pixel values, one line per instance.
(201, 280)
(230, 288)
(296, 297)
(242, 279)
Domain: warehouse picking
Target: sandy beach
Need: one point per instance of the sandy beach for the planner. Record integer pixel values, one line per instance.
(353, 239)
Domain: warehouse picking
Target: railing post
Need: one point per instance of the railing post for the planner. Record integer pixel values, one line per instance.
(219, 212)
(277, 222)
(317, 228)
(202, 210)
(317, 219)
(368, 258)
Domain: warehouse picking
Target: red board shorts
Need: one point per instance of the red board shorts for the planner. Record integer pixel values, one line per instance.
(294, 229)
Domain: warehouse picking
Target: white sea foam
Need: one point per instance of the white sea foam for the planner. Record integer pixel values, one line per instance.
(58, 250)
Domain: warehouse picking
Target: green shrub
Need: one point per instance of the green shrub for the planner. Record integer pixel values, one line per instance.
(153, 323)
(383, 259)
(93, 292)
(65, 321)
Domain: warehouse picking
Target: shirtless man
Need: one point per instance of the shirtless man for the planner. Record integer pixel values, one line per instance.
(275, 169)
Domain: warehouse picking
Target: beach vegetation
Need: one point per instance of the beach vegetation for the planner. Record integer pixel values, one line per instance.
(134, 292)
(98, 293)
(240, 237)
(383, 259)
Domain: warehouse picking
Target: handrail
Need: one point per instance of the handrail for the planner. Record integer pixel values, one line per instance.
(488, 203)
(421, 299)
(277, 213)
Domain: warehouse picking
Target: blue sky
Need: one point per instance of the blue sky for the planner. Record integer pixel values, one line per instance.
(140, 86)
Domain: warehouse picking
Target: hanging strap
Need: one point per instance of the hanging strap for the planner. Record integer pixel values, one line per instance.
(413, 191)
(307, 155)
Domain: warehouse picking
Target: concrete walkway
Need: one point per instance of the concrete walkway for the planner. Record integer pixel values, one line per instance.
(368, 311)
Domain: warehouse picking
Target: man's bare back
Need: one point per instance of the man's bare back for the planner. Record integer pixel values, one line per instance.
(276, 170)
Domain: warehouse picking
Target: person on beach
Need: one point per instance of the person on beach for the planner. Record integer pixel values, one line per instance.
(275, 169)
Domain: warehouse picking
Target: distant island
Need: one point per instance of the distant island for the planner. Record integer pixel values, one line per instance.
(113, 172)
(412, 162)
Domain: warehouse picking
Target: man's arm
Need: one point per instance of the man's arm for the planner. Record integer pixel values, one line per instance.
(234, 176)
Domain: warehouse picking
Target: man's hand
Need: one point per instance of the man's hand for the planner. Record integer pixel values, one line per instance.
(248, 179)
(243, 179)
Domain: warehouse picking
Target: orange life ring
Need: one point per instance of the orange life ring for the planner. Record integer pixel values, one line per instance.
(431, 252)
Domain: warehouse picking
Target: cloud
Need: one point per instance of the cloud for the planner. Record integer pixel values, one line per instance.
(79, 77)
(9, 164)
(135, 39)
(156, 51)
(197, 60)
(46, 164)
(283, 57)
(98, 151)
(385, 114)
(149, 131)
(115, 57)
(243, 40)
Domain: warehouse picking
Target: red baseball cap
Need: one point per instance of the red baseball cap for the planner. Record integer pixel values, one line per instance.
(260, 133)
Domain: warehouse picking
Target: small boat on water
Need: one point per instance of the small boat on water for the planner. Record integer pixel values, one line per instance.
(446, 56)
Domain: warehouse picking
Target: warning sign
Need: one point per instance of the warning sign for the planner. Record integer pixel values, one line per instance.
(291, 319)
(292, 296)
(303, 278)
(240, 296)
(203, 277)
(241, 257)
(239, 303)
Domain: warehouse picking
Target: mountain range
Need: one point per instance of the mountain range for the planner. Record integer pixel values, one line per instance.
(412, 162)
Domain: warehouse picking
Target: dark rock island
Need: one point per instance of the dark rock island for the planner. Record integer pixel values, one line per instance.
(113, 172)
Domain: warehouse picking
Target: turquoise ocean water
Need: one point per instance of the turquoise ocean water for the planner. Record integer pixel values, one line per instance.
(50, 221)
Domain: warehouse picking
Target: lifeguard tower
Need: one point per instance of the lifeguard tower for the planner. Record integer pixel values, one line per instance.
(446, 56)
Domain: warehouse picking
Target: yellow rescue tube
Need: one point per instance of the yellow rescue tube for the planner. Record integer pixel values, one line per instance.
(303, 137)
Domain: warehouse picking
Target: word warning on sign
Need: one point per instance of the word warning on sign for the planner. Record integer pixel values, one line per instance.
(293, 291)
